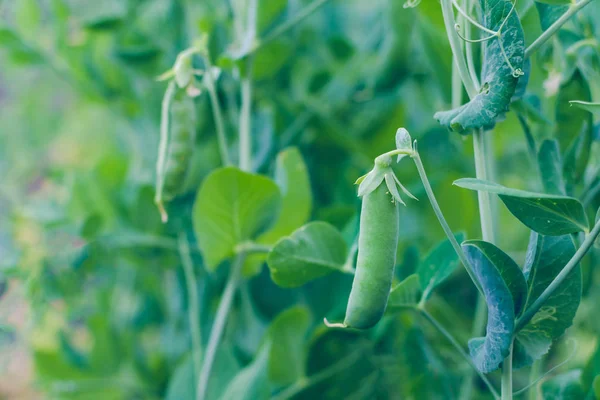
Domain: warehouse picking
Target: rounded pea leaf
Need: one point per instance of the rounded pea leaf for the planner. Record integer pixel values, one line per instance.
(574, 127)
(287, 334)
(549, 13)
(406, 294)
(488, 352)
(550, 215)
(313, 251)
(438, 265)
(555, 2)
(252, 382)
(231, 207)
(565, 386)
(291, 176)
(550, 163)
(503, 64)
(546, 256)
(182, 384)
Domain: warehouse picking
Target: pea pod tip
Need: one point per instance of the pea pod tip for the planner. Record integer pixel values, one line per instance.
(334, 325)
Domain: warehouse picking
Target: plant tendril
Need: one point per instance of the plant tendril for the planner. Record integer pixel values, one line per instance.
(516, 72)
(412, 3)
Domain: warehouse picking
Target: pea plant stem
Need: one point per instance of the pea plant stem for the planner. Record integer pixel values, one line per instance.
(286, 26)
(217, 111)
(440, 216)
(555, 284)
(481, 172)
(507, 392)
(307, 382)
(485, 209)
(547, 34)
(536, 370)
(193, 301)
(459, 59)
(245, 122)
(219, 324)
(440, 328)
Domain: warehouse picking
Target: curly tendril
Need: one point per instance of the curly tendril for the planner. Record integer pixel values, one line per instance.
(412, 3)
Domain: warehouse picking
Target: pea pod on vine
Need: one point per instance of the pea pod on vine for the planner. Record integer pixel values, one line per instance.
(377, 245)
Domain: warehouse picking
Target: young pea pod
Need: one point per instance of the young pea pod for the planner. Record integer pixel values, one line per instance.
(177, 145)
(377, 243)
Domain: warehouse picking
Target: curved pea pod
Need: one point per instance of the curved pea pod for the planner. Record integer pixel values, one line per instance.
(377, 243)
(177, 149)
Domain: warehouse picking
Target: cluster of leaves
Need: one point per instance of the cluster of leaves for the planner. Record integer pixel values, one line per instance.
(105, 278)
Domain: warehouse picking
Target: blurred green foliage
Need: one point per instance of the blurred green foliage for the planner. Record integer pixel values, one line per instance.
(81, 239)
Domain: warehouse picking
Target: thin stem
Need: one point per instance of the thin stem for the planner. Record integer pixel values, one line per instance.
(481, 172)
(456, 87)
(466, 388)
(193, 301)
(252, 248)
(539, 302)
(555, 27)
(245, 123)
(472, 21)
(442, 220)
(471, 61)
(536, 370)
(456, 48)
(219, 324)
(507, 393)
(286, 26)
(435, 323)
(306, 382)
(485, 39)
(217, 111)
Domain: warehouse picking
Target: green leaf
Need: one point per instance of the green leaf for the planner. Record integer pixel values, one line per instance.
(547, 214)
(287, 334)
(550, 163)
(555, 2)
(565, 386)
(546, 257)
(313, 251)
(231, 207)
(509, 270)
(586, 105)
(438, 265)
(268, 11)
(252, 382)
(271, 58)
(291, 176)
(184, 380)
(574, 127)
(406, 293)
(498, 83)
(98, 15)
(549, 13)
(488, 352)
(596, 387)
(17, 49)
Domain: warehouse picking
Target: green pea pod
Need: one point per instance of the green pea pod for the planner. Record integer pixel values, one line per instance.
(176, 151)
(377, 243)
